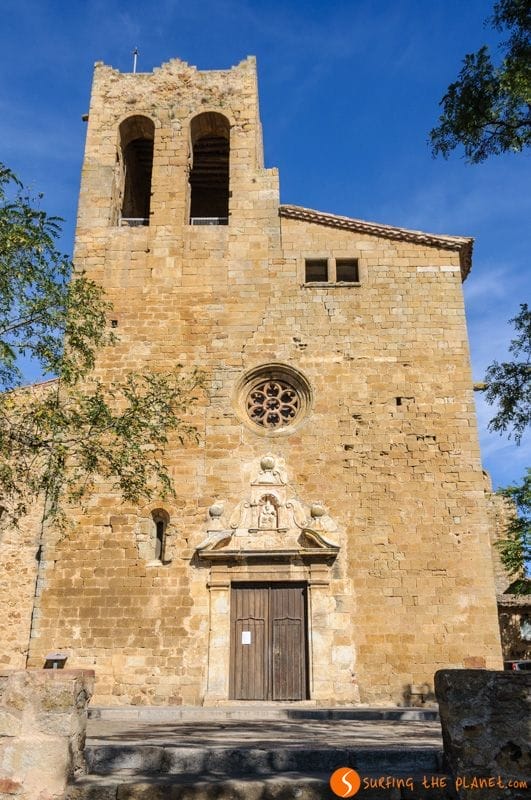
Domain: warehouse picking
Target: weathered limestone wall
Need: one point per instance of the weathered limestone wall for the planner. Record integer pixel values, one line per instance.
(43, 716)
(388, 444)
(485, 725)
(416, 506)
(18, 574)
(501, 511)
(514, 610)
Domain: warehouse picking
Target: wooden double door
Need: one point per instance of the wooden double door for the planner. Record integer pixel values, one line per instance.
(269, 641)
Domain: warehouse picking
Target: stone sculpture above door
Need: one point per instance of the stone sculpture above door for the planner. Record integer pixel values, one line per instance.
(270, 522)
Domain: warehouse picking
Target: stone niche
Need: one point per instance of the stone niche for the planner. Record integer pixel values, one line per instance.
(273, 536)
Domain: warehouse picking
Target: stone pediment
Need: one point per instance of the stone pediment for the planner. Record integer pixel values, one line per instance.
(270, 522)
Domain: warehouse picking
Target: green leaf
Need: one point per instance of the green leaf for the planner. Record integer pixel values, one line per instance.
(487, 110)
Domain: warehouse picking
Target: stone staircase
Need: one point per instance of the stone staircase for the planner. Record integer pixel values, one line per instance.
(268, 753)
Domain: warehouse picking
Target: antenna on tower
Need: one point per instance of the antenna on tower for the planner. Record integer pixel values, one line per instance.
(135, 58)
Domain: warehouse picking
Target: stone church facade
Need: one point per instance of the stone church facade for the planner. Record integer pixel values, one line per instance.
(329, 538)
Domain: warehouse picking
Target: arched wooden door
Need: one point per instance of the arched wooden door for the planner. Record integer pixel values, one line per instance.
(269, 641)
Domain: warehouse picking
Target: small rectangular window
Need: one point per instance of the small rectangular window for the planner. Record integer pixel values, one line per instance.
(316, 269)
(347, 270)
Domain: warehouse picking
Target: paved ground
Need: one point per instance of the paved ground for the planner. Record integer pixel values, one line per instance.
(268, 733)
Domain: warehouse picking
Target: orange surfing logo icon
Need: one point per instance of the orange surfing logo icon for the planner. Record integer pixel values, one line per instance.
(345, 782)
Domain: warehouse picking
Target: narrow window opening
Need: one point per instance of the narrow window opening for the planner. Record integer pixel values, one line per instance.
(159, 540)
(160, 529)
(316, 270)
(347, 270)
(136, 142)
(209, 175)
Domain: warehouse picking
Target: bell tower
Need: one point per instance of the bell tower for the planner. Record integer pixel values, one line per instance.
(167, 152)
(175, 205)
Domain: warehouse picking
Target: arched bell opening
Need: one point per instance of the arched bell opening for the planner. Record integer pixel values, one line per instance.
(136, 146)
(209, 174)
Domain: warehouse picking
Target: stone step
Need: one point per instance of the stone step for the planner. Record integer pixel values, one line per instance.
(254, 711)
(299, 786)
(108, 759)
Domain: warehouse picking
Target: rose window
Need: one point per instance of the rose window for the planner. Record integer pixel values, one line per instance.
(273, 404)
(273, 399)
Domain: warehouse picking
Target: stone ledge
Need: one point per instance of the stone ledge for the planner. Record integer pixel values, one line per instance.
(57, 673)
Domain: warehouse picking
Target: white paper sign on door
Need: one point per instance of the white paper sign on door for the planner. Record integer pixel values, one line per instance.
(246, 637)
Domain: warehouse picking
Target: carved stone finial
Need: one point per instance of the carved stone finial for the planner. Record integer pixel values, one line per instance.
(317, 510)
(215, 511)
(267, 463)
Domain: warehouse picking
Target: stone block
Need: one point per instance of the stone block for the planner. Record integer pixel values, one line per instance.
(485, 724)
(44, 747)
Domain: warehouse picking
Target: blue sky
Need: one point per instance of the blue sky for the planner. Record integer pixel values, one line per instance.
(349, 91)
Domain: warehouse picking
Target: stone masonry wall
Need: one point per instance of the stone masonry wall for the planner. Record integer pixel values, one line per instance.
(18, 575)
(388, 445)
(43, 717)
(501, 511)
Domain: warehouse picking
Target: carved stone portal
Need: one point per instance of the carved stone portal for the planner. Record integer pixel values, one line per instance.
(272, 536)
(270, 521)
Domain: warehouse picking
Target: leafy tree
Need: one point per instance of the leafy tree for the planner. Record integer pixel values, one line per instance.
(42, 304)
(487, 109)
(509, 385)
(515, 548)
(58, 439)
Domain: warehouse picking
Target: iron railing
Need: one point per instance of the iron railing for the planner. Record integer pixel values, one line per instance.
(133, 222)
(209, 220)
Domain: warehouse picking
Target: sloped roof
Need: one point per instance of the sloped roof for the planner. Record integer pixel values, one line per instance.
(461, 244)
(42, 384)
(513, 600)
